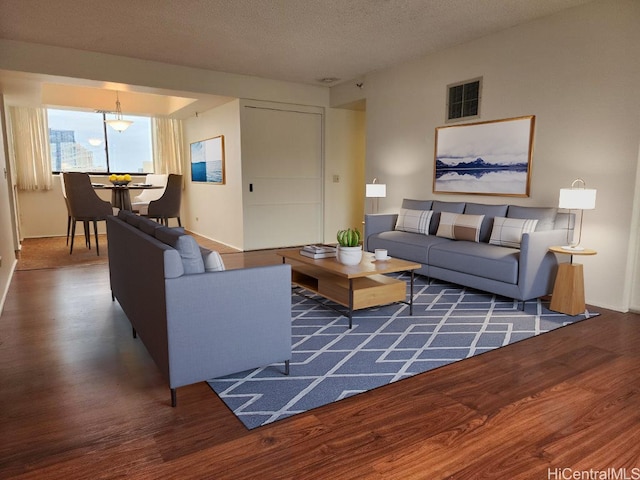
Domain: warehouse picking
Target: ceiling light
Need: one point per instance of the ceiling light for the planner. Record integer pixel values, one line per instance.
(118, 123)
(328, 80)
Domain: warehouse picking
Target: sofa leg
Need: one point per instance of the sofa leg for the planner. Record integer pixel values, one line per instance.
(174, 399)
(523, 302)
(286, 367)
(133, 330)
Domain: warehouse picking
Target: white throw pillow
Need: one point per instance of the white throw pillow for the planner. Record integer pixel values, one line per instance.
(507, 232)
(414, 221)
(212, 260)
(186, 246)
(459, 226)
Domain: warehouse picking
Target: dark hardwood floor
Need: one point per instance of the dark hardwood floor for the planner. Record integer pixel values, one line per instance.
(81, 399)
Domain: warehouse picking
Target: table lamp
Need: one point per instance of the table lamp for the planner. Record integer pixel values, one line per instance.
(377, 191)
(577, 198)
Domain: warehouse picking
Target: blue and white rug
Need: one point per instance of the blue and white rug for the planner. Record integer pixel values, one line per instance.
(386, 344)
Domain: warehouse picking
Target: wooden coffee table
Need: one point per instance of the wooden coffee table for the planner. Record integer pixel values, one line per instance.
(354, 287)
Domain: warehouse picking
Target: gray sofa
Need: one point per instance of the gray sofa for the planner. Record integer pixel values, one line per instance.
(197, 320)
(521, 271)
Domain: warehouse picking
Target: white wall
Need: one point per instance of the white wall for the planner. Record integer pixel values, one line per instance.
(577, 72)
(215, 211)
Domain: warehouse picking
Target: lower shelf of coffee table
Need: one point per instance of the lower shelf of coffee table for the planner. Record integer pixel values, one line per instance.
(368, 291)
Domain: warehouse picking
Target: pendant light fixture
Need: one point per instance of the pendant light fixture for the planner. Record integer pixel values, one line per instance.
(118, 124)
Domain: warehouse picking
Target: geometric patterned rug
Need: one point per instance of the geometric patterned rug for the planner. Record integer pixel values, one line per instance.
(331, 362)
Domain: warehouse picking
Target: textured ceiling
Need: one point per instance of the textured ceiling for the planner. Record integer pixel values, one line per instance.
(295, 40)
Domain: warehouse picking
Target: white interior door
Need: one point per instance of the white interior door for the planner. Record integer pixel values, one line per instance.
(282, 177)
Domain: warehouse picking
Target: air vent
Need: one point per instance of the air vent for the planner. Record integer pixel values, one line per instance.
(463, 99)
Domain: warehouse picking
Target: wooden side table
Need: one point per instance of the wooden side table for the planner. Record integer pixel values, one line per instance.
(568, 290)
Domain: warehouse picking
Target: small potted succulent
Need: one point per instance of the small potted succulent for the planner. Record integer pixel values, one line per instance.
(349, 250)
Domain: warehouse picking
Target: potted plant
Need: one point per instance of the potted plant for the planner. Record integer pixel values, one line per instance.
(349, 250)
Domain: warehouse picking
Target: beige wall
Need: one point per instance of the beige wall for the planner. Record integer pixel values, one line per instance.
(215, 211)
(7, 244)
(577, 73)
(344, 157)
(42, 213)
(79, 64)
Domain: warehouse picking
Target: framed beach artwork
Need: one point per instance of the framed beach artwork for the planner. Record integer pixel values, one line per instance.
(485, 158)
(207, 161)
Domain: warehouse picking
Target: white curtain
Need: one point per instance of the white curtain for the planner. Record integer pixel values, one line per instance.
(168, 149)
(30, 147)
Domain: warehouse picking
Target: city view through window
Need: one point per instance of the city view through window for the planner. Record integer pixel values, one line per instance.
(82, 142)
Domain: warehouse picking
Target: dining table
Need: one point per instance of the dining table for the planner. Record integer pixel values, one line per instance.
(120, 194)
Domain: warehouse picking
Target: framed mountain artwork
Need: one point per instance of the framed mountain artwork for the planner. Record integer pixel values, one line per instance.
(485, 158)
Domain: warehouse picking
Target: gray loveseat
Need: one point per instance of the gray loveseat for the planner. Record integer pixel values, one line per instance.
(500, 259)
(196, 324)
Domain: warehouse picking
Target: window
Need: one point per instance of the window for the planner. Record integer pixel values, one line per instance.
(463, 99)
(82, 142)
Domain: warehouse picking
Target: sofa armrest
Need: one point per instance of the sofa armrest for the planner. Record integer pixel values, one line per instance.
(537, 264)
(220, 323)
(378, 223)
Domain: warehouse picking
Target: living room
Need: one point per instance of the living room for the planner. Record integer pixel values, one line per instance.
(568, 69)
(574, 70)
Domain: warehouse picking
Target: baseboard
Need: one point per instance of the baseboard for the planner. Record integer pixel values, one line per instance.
(188, 230)
(615, 308)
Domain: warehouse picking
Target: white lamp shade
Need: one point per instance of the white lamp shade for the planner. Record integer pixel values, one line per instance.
(119, 124)
(577, 198)
(376, 190)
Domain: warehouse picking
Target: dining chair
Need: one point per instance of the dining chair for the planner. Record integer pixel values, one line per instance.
(84, 206)
(140, 203)
(66, 202)
(168, 206)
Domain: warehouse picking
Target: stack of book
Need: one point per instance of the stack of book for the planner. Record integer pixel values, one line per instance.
(318, 251)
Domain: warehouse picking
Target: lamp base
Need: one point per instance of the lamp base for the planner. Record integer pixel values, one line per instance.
(573, 248)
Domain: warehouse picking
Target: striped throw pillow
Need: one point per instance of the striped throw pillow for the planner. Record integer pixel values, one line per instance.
(459, 226)
(414, 221)
(507, 232)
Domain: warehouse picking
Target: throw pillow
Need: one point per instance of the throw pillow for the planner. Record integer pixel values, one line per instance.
(212, 260)
(148, 226)
(459, 226)
(123, 214)
(133, 220)
(414, 221)
(507, 232)
(186, 246)
(546, 216)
